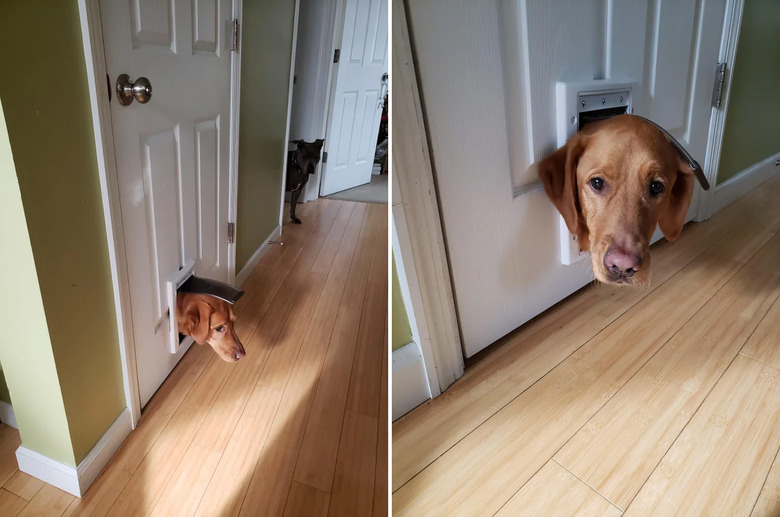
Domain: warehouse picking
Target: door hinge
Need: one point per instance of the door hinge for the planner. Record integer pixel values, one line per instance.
(235, 36)
(325, 157)
(717, 87)
(337, 55)
(231, 233)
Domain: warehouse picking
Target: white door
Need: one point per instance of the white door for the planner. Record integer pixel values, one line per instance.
(359, 90)
(172, 156)
(487, 73)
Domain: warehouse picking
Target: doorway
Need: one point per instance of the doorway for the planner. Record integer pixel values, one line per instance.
(340, 93)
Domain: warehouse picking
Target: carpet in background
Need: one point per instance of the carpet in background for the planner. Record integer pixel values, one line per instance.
(374, 192)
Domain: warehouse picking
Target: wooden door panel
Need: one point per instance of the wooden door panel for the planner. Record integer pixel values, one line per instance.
(205, 27)
(670, 64)
(210, 254)
(344, 125)
(152, 23)
(378, 48)
(172, 156)
(366, 144)
(354, 121)
(160, 153)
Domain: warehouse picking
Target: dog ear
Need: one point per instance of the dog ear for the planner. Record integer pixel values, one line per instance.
(559, 177)
(297, 143)
(672, 216)
(319, 142)
(196, 321)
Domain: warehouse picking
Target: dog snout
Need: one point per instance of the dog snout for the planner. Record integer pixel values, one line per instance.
(239, 352)
(622, 263)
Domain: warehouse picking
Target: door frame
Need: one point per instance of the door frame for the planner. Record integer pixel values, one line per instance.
(290, 83)
(340, 13)
(337, 24)
(727, 53)
(322, 75)
(95, 61)
(235, 112)
(418, 237)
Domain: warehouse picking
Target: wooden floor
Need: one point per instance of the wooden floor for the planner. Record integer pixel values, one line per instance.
(657, 401)
(297, 427)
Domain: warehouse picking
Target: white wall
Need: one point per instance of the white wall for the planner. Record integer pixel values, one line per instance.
(313, 62)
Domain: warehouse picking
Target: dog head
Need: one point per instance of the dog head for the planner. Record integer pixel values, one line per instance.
(307, 154)
(613, 182)
(209, 320)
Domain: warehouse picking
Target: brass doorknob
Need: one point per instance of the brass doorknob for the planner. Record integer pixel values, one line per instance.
(126, 90)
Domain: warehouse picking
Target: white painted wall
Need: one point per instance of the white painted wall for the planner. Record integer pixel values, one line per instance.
(313, 68)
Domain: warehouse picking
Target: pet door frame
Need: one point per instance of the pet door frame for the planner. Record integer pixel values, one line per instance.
(575, 101)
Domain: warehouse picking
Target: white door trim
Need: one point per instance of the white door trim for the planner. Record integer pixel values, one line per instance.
(235, 102)
(289, 112)
(338, 31)
(326, 81)
(418, 234)
(94, 55)
(728, 52)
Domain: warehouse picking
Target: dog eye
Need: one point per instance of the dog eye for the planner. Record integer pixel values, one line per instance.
(220, 328)
(597, 183)
(656, 188)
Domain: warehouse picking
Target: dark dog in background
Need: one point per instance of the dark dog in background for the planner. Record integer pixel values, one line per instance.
(301, 162)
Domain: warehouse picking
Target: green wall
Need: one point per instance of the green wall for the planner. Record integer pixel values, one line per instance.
(265, 80)
(47, 111)
(752, 131)
(5, 396)
(402, 332)
(25, 347)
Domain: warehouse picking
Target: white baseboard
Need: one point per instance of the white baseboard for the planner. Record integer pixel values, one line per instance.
(745, 181)
(7, 414)
(410, 385)
(76, 480)
(256, 256)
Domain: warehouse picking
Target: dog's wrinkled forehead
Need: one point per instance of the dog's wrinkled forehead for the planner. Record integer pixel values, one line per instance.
(618, 146)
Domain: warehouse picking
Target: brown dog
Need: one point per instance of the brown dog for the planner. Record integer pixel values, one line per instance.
(613, 182)
(209, 320)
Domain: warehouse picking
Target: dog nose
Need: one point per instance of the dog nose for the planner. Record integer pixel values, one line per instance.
(622, 263)
(240, 353)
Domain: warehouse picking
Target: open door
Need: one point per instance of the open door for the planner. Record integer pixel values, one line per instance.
(172, 145)
(358, 94)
